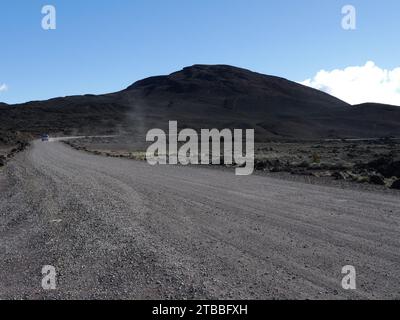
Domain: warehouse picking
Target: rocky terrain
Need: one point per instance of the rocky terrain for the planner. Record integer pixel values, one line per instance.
(376, 162)
(11, 143)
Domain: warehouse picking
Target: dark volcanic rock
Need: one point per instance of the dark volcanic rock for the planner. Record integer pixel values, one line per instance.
(386, 166)
(2, 160)
(396, 185)
(261, 164)
(339, 175)
(377, 179)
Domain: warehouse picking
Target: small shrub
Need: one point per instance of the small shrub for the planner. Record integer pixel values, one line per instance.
(316, 158)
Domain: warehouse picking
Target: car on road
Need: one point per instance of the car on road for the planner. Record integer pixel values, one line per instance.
(45, 137)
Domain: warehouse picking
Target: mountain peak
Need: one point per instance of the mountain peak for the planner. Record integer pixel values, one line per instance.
(221, 82)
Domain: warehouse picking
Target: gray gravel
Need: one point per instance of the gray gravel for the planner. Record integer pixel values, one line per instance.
(116, 228)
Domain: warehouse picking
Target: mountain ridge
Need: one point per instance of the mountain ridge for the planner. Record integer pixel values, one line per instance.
(204, 96)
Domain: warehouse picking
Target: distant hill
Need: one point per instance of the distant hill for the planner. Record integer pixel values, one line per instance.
(207, 96)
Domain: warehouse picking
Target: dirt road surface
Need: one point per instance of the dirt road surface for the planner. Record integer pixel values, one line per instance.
(122, 229)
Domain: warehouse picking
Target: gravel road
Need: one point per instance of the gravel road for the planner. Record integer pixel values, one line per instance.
(116, 228)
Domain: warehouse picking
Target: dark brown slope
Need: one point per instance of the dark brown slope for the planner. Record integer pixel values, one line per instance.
(233, 89)
(69, 115)
(204, 96)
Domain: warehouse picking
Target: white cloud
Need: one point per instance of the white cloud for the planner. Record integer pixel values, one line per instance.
(368, 83)
(3, 87)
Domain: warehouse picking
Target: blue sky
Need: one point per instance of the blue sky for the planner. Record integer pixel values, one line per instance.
(102, 46)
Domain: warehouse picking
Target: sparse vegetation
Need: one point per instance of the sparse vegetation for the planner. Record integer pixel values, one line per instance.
(316, 158)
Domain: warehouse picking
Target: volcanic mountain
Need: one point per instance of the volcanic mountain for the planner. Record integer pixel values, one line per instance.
(208, 96)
